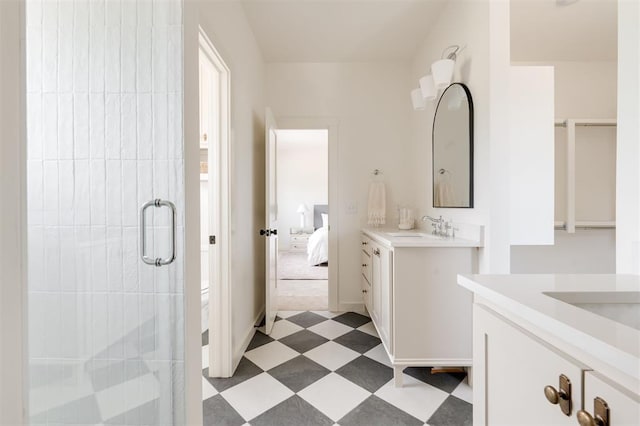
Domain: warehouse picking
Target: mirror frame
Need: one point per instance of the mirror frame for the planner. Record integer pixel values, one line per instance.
(433, 128)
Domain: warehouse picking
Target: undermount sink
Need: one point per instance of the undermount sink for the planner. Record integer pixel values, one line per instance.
(411, 234)
(620, 306)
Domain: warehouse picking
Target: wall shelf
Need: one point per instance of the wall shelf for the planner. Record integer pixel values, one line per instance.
(570, 124)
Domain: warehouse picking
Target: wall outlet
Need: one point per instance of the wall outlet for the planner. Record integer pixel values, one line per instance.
(352, 207)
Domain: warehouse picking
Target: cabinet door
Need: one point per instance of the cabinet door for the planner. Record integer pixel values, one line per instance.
(513, 368)
(624, 407)
(376, 277)
(384, 308)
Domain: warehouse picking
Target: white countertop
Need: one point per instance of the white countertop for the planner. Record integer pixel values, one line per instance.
(614, 343)
(383, 236)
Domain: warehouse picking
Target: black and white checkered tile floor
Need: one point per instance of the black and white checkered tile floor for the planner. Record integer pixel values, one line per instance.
(323, 368)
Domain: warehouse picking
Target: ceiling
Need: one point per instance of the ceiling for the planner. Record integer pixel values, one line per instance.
(340, 30)
(393, 30)
(586, 30)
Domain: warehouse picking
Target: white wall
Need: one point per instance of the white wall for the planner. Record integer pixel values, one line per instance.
(226, 26)
(371, 105)
(481, 27)
(302, 177)
(582, 90)
(628, 156)
(13, 396)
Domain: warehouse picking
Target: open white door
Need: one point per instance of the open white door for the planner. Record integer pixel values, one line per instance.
(271, 222)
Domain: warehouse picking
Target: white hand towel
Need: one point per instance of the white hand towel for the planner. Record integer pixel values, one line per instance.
(444, 195)
(377, 207)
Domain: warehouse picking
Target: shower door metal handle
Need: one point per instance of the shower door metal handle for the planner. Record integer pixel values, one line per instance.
(143, 230)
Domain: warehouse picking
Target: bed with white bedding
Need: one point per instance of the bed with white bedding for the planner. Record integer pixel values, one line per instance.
(318, 246)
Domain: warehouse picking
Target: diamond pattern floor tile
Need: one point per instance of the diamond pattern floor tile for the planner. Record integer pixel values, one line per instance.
(352, 319)
(256, 395)
(306, 319)
(303, 341)
(452, 412)
(415, 397)
(321, 368)
(334, 395)
(377, 412)
(330, 329)
(295, 411)
(270, 355)
(358, 341)
(367, 373)
(298, 373)
(332, 355)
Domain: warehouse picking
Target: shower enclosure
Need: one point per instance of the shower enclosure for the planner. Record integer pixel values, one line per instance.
(105, 138)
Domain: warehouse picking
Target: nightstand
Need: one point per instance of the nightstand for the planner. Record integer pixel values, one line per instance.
(298, 240)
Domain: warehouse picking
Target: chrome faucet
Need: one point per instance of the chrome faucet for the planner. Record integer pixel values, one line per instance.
(436, 224)
(440, 226)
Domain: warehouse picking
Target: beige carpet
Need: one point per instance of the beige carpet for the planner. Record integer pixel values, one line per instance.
(303, 295)
(294, 266)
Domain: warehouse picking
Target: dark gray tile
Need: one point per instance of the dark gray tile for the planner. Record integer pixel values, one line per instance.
(366, 373)
(246, 370)
(452, 412)
(278, 318)
(307, 319)
(218, 412)
(81, 411)
(444, 381)
(143, 415)
(373, 411)
(294, 411)
(358, 341)
(258, 340)
(298, 373)
(205, 338)
(352, 319)
(303, 341)
(105, 374)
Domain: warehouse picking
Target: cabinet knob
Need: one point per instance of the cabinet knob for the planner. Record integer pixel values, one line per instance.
(562, 396)
(364, 243)
(376, 252)
(364, 291)
(364, 265)
(601, 418)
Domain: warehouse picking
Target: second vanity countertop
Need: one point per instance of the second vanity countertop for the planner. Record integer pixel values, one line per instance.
(390, 237)
(565, 306)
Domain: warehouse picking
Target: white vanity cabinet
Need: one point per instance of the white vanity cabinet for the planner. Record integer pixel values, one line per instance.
(529, 345)
(422, 317)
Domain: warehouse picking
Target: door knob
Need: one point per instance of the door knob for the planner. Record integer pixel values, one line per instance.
(265, 232)
(274, 232)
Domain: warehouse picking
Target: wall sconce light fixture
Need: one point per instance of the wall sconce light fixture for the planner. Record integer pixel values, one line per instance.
(439, 79)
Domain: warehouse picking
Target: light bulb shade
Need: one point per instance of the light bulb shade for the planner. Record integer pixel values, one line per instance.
(301, 209)
(427, 88)
(442, 71)
(417, 100)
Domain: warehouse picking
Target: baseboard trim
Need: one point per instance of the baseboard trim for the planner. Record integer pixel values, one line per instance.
(251, 331)
(352, 307)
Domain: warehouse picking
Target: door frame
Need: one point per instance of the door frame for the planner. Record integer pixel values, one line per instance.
(220, 339)
(331, 124)
(13, 217)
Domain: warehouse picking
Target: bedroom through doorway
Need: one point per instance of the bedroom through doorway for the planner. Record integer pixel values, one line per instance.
(303, 219)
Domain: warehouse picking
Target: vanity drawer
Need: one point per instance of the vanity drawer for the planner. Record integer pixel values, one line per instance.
(366, 265)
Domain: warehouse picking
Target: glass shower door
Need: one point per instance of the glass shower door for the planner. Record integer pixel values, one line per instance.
(104, 139)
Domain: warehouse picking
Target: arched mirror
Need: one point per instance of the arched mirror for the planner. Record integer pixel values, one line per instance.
(453, 149)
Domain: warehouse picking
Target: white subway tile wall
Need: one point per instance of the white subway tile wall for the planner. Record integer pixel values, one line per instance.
(104, 124)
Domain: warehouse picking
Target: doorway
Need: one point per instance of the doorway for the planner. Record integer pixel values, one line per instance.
(303, 215)
(214, 209)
